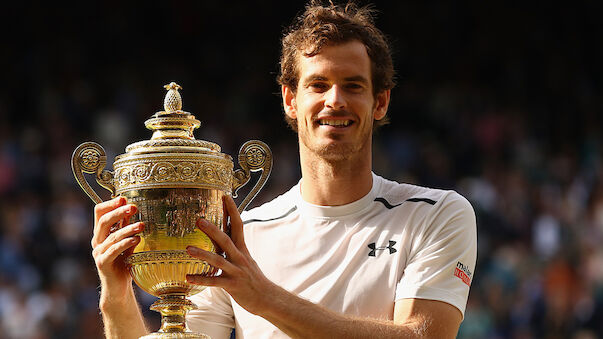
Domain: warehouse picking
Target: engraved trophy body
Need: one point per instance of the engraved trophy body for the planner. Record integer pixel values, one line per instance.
(173, 180)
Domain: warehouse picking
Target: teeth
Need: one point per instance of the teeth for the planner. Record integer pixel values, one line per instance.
(335, 122)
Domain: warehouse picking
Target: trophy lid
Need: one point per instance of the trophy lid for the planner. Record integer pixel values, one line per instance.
(172, 129)
(172, 159)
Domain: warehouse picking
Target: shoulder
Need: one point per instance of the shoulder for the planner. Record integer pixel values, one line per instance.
(396, 193)
(433, 202)
(277, 208)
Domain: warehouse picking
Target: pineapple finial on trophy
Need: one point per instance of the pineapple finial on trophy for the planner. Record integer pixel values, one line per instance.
(172, 122)
(173, 101)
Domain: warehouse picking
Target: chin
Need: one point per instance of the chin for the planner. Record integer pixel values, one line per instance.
(336, 152)
(335, 148)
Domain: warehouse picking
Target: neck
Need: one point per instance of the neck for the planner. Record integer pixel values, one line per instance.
(333, 183)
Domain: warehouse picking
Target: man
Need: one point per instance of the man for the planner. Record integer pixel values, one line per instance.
(343, 254)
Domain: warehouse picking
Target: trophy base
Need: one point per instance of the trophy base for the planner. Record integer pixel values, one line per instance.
(160, 335)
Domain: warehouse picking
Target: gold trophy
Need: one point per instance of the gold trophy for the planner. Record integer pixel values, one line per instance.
(173, 180)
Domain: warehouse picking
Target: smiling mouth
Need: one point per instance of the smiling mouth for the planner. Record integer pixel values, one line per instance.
(335, 122)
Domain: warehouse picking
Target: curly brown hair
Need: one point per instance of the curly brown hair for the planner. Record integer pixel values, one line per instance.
(329, 24)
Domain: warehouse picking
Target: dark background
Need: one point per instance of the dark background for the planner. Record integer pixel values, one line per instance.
(499, 100)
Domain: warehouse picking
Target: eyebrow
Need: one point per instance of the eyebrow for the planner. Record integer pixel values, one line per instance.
(314, 77)
(317, 77)
(357, 78)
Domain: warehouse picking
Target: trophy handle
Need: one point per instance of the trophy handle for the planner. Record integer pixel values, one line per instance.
(254, 156)
(90, 158)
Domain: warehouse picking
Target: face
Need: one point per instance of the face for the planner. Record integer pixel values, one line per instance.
(334, 103)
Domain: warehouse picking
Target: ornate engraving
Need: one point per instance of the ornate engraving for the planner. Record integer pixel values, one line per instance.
(175, 172)
(173, 143)
(161, 256)
(173, 213)
(171, 301)
(256, 156)
(142, 171)
(106, 177)
(90, 159)
(187, 171)
(162, 171)
(185, 335)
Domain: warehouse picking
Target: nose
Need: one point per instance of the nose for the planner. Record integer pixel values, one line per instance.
(334, 98)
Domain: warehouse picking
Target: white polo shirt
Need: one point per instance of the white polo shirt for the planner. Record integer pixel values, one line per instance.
(399, 241)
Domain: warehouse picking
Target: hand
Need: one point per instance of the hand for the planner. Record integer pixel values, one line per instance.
(108, 246)
(241, 276)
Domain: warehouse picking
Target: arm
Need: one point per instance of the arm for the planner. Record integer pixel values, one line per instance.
(121, 315)
(413, 318)
(299, 318)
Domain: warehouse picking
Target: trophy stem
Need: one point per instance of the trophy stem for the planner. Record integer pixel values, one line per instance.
(173, 309)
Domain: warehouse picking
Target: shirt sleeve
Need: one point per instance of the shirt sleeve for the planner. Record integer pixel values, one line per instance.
(214, 315)
(442, 259)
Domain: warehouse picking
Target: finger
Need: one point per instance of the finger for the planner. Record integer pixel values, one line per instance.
(212, 259)
(219, 238)
(236, 224)
(125, 221)
(108, 219)
(225, 223)
(110, 215)
(225, 229)
(111, 254)
(117, 236)
(120, 224)
(106, 206)
(232, 210)
(214, 281)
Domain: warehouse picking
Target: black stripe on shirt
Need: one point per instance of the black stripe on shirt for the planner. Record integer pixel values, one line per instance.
(429, 201)
(390, 206)
(265, 220)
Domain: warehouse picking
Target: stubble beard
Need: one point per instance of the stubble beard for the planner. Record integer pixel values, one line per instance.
(336, 152)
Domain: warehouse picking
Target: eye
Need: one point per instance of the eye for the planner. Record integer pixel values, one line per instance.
(318, 86)
(353, 86)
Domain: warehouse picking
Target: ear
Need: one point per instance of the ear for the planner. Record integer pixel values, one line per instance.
(381, 104)
(289, 103)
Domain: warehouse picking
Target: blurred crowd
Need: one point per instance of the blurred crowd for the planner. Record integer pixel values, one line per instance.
(502, 102)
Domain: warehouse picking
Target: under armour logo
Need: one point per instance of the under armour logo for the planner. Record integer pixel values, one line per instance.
(374, 249)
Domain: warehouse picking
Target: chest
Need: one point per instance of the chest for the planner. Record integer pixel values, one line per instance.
(350, 265)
